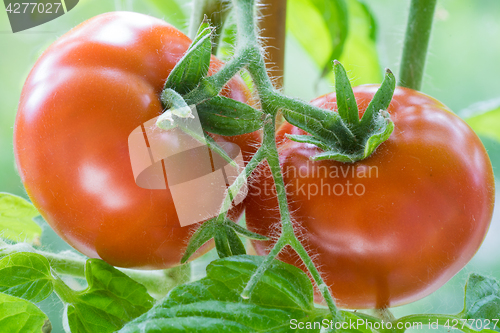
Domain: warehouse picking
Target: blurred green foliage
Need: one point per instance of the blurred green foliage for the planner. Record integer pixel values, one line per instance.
(462, 69)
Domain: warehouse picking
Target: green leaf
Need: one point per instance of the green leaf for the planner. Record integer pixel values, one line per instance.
(20, 316)
(16, 219)
(213, 304)
(359, 55)
(227, 41)
(26, 275)
(202, 235)
(173, 12)
(482, 298)
(194, 65)
(111, 300)
(327, 21)
(484, 118)
(225, 116)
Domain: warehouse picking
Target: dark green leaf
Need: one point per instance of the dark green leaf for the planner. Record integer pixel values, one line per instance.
(202, 235)
(26, 275)
(194, 65)
(235, 244)
(213, 304)
(111, 300)
(16, 219)
(20, 316)
(482, 298)
(221, 243)
(227, 242)
(225, 116)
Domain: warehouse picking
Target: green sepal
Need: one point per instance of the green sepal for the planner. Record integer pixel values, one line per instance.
(225, 235)
(382, 98)
(346, 102)
(225, 116)
(194, 65)
(383, 129)
(325, 125)
(342, 136)
(202, 235)
(336, 156)
(222, 243)
(235, 243)
(245, 232)
(307, 139)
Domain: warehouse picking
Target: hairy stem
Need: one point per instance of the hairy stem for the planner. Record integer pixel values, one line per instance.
(418, 32)
(239, 182)
(247, 39)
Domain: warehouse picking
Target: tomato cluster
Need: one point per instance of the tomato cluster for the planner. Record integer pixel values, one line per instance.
(385, 230)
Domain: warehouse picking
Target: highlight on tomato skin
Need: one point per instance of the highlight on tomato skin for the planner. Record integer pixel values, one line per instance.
(81, 100)
(392, 228)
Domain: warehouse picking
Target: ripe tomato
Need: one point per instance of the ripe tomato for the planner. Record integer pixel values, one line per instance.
(392, 228)
(82, 99)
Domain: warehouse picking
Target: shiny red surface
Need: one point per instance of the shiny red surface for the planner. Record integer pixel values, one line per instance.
(424, 211)
(83, 97)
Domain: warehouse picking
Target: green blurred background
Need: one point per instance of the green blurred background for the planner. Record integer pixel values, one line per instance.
(463, 68)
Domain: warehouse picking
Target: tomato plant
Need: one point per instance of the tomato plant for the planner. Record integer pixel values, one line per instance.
(394, 227)
(83, 97)
(372, 197)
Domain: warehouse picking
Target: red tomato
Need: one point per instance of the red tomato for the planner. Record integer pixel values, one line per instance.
(82, 99)
(392, 228)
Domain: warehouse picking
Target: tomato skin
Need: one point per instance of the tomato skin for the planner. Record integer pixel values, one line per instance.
(80, 102)
(421, 218)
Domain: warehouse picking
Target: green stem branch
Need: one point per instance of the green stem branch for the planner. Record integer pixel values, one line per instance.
(416, 42)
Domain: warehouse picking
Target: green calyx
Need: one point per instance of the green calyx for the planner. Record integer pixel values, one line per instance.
(342, 135)
(188, 85)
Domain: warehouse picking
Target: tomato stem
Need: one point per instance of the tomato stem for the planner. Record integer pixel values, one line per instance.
(418, 32)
